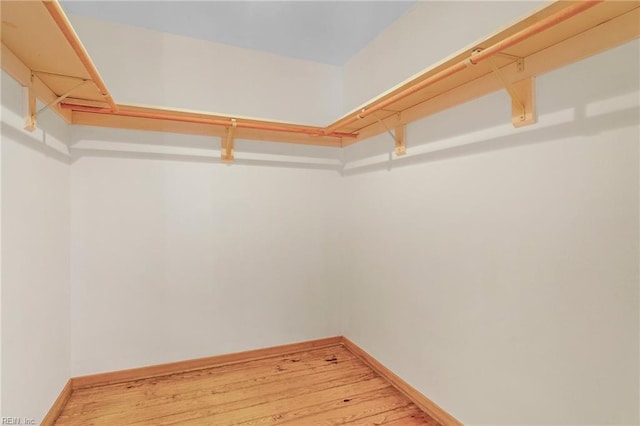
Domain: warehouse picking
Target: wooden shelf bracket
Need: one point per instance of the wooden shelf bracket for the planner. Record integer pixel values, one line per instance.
(227, 143)
(525, 113)
(30, 98)
(398, 135)
(521, 93)
(401, 146)
(29, 102)
(518, 59)
(62, 97)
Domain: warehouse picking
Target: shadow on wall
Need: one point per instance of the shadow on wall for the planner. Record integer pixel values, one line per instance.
(470, 137)
(211, 159)
(375, 154)
(120, 143)
(40, 142)
(50, 137)
(566, 124)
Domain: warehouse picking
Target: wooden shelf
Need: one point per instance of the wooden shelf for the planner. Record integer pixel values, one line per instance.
(41, 50)
(200, 123)
(601, 26)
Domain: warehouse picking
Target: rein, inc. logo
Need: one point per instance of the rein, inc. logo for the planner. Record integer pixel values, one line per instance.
(17, 421)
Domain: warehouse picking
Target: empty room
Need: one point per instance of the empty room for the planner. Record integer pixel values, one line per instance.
(320, 213)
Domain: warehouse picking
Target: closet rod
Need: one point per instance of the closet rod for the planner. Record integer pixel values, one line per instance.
(203, 120)
(482, 55)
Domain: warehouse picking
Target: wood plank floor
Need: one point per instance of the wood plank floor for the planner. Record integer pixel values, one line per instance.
(325, 386)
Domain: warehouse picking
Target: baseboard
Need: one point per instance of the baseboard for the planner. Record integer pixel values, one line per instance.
(424, 403)
(198, 364)
(58, 405)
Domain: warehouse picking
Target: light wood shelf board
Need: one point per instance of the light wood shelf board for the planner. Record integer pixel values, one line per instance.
(158, 125)
(604, 36)
(591, 18)
(29, 31)
(34, 34)
(31, 34)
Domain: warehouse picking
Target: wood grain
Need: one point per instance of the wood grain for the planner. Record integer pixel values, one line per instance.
(58, 406)
(200, 363)
(424, 403)
(314, 383)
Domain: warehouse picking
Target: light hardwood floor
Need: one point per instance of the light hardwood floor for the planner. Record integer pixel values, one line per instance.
(325, 386)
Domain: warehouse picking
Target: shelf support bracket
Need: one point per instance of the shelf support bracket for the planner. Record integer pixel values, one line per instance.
(29, 105)
(227, 144)
(525, 89)
(399, 138)
(62, 97)
(522, 94)
(518, 59)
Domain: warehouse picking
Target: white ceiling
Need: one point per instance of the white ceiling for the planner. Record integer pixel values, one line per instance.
(324, 31)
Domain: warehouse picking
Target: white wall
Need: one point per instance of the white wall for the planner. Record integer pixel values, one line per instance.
(35, 260)
(180, 72)
(497, 271)
(177, 258)
(494, 269)
(0, 267)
